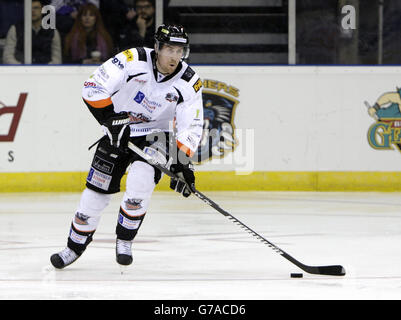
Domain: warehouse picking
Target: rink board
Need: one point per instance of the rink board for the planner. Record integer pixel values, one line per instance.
(219, 181)
(295, 128)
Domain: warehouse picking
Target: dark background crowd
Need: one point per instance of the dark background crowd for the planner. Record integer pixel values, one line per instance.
(253, 32)
(87, 31)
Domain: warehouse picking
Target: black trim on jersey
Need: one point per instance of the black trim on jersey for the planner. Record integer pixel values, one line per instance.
(170, 76)
(135, 75)
(142, 54)
(188, 74)
(101, 114)
(180, 97)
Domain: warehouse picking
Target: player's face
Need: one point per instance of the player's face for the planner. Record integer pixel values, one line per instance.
(169, 57)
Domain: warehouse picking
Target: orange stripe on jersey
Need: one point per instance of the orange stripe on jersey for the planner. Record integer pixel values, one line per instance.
(99, 103)
(185, 149)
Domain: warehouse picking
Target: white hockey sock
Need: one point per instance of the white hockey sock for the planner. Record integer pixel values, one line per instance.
(90, 207)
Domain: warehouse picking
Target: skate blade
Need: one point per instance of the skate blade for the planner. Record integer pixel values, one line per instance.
(123, 269)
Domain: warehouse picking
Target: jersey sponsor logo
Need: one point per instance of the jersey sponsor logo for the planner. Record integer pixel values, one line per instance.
(219, 104)
(117, 62)
(197, 85)
(149, 105)
(385, 132)
(129, 55)
(103, 73)
(133, 76)
(191, 142)
(92, 92)
(16, 111)
(120, 122)
(140, 129)
(141, 81)
(89, 84)
(77, 238)
(102, 165)
(98, 179)
(139, 97)
(128, 223)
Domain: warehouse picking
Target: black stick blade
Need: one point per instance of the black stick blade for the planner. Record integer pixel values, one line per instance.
(331, 270)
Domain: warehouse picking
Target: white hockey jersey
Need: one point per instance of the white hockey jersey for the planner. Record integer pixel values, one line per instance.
(129, 82)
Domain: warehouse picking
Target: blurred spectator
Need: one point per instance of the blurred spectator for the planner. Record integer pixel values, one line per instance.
(66, 12)
(317, 31)
(88, 42)
(140, 26)
(113, 15)
(11, 12)
(46, 44)
(392, 32)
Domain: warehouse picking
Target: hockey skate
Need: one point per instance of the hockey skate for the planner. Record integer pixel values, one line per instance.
(63, 258)
(123, 252)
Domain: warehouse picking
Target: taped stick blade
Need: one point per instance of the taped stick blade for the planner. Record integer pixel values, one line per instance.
(336, 270)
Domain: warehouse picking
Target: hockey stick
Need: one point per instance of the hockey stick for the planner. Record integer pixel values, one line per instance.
(334, 270)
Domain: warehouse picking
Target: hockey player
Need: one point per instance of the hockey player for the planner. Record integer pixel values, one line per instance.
(146, 96)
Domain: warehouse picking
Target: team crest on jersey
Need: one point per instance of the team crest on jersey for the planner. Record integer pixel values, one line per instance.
(171, 97)
(385, 133)
(219, 103)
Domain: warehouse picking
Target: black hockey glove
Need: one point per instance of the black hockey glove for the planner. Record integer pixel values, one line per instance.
(117, 129)
(186, 173)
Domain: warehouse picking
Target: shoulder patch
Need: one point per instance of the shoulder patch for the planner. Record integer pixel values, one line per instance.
(141, 54)
(197, 85)
(129, 55)
(188, 74)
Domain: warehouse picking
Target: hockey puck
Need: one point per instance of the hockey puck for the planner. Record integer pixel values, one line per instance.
(296, 275)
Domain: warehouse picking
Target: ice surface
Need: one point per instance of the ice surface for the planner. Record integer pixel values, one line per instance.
(187, 250)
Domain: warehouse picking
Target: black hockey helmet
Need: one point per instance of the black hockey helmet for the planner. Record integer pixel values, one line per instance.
(172, 34)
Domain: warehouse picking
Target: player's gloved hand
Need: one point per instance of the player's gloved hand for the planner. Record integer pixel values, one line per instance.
(117, 129)
(185, 173)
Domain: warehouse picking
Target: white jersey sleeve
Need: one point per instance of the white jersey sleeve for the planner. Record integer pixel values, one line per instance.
(189, 117)
(108, 79)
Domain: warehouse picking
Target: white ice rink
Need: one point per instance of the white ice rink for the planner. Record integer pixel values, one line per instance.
(187, 250)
